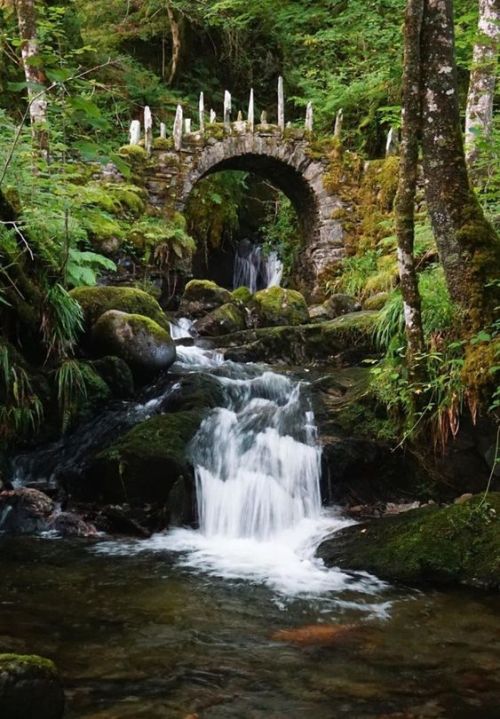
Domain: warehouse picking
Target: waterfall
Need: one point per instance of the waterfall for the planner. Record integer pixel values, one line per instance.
(255, 270)
(182, 329)
(257, 460)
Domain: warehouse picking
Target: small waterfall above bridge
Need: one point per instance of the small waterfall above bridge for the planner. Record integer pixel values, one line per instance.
(254, 269)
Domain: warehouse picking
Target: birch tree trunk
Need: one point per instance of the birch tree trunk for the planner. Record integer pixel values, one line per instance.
(175, 32)
(479, 112)
(35, 78)
(407, 186)
(468, 246)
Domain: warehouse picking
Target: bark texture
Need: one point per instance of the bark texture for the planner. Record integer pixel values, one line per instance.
(479, 112)
(175, 32)
(33, 72)
(468, 246)
(407, 187)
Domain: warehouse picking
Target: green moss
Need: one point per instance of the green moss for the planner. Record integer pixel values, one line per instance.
(163, 143)
(223, 320)
(117, 375)
(97, 300)
(145, 464)
(242, 294)
(133, 152)
(277, 306)
(14, 662)
(100, 225)
(216, 131)
(459, 544)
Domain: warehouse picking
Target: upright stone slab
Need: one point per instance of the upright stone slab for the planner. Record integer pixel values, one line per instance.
(135, 132)
(281, 104)
(309, 117)
(339, 119)
(178, 127)
(227, 110)
(148, 130)
(201, 112)
(251, 112)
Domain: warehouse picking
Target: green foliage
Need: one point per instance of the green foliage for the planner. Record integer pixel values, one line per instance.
(62, 321)
(71, 391)
(82, 267)
(281, 232)
(21, 410)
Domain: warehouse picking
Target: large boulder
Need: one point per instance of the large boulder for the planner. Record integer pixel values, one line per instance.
(95, 301)
(146, 347)
(146, 463)
(276, 306)
(25, 511)
(458, 544)
(335, 306)
(221, 321)
(30, 688)
(201, 297)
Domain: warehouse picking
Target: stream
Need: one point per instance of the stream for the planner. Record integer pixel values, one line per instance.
(237, 618)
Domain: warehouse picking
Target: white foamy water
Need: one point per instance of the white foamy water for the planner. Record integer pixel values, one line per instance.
(257, 467)
(181, 329)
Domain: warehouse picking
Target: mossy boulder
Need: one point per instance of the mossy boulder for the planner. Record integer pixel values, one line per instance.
(277, 307)
(201, 297)
(146, 347)
(145, 464)
(347, 340)
(30, 688)
(376, 302)
(221, 321)
(95, 301)
(117, 375)
(458, 544)
(242, 294)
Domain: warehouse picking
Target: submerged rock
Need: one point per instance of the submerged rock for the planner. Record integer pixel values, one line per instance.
(25, 511)
(69, 524)
(224, 320)
(277, 307)
(30, 688)
(145, 346)
(201, 297)
(95, 301)
(458, 544)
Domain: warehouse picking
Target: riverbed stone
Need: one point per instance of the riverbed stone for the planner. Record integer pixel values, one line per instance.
(95, 301)
(25, 511)
(222, 321)
(146, 347)
(30, 688)
(454, 545)
(144, 465)
(277, 306)
(201, 297)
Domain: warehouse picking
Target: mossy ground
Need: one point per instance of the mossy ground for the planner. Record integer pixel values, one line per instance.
(458, 544)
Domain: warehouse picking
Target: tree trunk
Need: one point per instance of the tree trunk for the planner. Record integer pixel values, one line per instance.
(35, 78)
(468, 246)
(175, 31)
(479, 112)
(407, 187)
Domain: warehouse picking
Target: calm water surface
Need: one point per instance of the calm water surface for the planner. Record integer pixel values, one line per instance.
(139, 634)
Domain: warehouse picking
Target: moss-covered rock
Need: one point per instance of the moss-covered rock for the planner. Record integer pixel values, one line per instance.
(335, 306)
(146, 347)
(221, 321)
(277, 306)
(201, 297)
(376, 301)
(348, 339)
(30, 688)
(117, 375)
(458, 544)
(95, 301)
(144, 464)
(242, 294)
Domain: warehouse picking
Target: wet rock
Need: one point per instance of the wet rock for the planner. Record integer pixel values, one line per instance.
(144, 464)
(201, 297)
(376, 302)
(222, 321)
(25, 511)
(276, 307)
(319, 634)
(30, 688)
(145, 346)
(454, 545)
(117, 375)
(69, 524)
(95, 301)
(335, 306)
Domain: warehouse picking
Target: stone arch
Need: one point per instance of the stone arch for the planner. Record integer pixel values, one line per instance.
(285, 159)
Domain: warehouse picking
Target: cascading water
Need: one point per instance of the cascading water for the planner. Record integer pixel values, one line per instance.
(254, 269)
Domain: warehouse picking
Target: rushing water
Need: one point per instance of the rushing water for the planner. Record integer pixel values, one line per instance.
(238, 618)
(256, 270)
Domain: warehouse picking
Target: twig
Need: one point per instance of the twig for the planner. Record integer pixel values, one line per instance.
(23, 238)
(492, 473)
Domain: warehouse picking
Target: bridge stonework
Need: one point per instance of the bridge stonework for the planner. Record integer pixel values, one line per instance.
(284, 157)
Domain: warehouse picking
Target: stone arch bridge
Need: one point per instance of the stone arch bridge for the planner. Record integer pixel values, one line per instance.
(282, 155)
